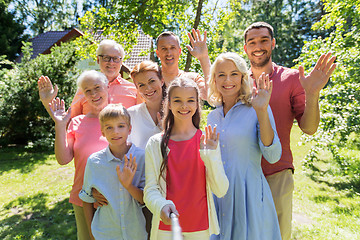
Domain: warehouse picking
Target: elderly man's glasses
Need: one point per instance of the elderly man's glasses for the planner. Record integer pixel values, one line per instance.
(107, 58)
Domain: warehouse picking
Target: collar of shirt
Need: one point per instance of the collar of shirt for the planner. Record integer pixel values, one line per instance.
(110, 156)
(117, 80)
(274, 70)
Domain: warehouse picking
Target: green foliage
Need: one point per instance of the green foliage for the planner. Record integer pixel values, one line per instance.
(44, 15)
(291, 20)
(122, 21)
(11, 33)
(23, 119)
(340, 106)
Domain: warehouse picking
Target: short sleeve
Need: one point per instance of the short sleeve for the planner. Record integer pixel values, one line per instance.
(77, 104)
(85, 193)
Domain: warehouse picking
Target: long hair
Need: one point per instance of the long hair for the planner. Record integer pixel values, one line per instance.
(214, 96)
(168, 119)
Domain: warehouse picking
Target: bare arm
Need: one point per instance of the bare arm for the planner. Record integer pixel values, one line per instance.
(199, 50)
(89, 211)
(312, 84)
(260, 103)
(47, 92)
(63, 146)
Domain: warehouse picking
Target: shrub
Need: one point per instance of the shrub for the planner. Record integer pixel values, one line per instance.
(23, 119)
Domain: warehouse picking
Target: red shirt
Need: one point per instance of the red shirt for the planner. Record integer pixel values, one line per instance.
(186, 184)
(287, 103)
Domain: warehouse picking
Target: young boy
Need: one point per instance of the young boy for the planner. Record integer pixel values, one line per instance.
(117, 172)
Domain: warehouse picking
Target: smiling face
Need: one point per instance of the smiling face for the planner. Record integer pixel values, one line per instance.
(110, 69)
(258, 47)
(228, 79)
(95, 92)
(168, 50)
(183, 102)
(149, 85)
(116, 130)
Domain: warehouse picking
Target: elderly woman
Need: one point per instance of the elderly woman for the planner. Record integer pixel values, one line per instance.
(82, 137)
(247, 131)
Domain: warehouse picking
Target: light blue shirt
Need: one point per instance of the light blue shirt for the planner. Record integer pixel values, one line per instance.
(247, 210)
(122, 218)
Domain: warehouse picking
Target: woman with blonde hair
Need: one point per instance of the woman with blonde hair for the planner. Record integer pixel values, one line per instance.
(247, 131)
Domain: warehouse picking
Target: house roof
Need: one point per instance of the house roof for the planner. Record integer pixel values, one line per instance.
(42, 43)
(144, 44)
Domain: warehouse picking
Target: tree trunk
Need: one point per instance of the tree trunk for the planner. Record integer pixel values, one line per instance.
(196, 24)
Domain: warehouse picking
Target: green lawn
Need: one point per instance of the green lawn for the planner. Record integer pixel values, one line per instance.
(35, 192)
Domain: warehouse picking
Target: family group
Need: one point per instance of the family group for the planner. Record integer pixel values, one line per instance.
(140, 155)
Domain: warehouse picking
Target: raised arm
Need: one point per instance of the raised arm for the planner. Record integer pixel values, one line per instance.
(312, 84)
(260, 102)
(63, 145)
(199, 50)
(47, 92)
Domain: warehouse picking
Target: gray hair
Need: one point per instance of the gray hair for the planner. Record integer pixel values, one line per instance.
(111, 43)
(91, 74)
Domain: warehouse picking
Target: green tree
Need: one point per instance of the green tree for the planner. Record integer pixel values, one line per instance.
(23, 119)
(340, 104)
(123, 20)
(45, 15)
(291, 20)
(11, 33)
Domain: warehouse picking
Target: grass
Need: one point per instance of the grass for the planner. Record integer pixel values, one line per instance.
(34, 196)
(35, 192)
(326, 204)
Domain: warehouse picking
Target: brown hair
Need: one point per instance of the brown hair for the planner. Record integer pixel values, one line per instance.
(146, 66)
(167, 34)
(258, 25)
(168, 119)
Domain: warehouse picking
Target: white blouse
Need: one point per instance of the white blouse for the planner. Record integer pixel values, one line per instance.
(143, 126)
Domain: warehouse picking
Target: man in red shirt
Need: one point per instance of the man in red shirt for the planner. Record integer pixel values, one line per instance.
(293, 96)
(168, 50)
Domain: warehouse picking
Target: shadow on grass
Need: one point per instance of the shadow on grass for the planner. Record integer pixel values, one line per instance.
(350, 183)
(30, 218)
(21, 159)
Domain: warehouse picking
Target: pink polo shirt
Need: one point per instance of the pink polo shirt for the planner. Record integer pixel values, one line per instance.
(120, 91)
(287, 103)
(86, 135)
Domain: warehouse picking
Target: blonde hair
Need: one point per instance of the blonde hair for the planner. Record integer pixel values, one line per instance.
(111, 43)
(91, 74)
(214, 96)
(112, 111)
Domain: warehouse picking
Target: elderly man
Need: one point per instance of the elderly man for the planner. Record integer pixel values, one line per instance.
(110, 55)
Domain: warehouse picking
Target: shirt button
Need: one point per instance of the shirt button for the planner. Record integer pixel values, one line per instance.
(121, 202)
(223, 130)
(223, 145)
